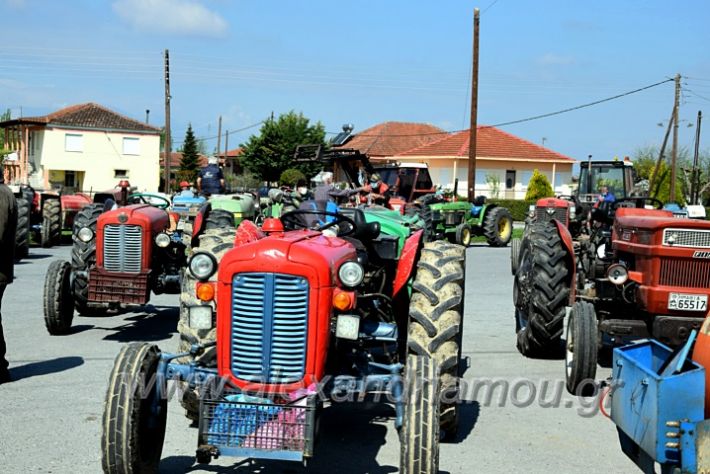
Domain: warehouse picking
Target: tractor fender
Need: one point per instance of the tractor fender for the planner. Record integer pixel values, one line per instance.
(566, 238)
(198, 225)
(247, 232)
(406, 261)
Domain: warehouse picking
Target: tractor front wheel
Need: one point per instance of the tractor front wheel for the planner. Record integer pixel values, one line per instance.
(83, 255)
(135, 413)
(420, 430)
(463, 235)
(581, 349)
(22, 235)
(58, 298)
(51, 222)
(498, 227)
(219, 219)
(514, 255)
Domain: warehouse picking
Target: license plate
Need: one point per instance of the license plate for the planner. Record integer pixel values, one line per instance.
(684, 302)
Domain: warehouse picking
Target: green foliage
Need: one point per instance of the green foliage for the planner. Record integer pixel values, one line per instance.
(3, 151)
(241, 182)
(538, 187)
(493, 182)
(291, 176)
(644, 164)
(518, 208)
(270, 153)
(190, 161)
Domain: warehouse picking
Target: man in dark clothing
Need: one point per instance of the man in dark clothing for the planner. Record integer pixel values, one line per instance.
(8, 227)
(210, 180)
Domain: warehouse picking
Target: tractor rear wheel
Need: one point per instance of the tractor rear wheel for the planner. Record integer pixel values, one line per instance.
(581, 350)
(22, 235)
(436, 321)
(498, 227)
(58, 299)
(219, 219)
(215, 242)
(541, 291)
(51, 222)
(135, 413)
(83, 255)
(420, 430)
(463, 234)
(514, 255)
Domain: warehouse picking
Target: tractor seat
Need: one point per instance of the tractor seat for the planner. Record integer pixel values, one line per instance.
(479, 201)
(363, 230)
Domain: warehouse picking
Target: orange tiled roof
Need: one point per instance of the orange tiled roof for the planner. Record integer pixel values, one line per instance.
(491, 142)
(393, 138)
(91, 115)
(232, 153)
(175, 158)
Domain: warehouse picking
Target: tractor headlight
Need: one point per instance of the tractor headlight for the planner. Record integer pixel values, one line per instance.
(617, 274)
(202, 265)
(85, 234)
(351, 274)
(572, 212)
(162, 240)
(531, 211)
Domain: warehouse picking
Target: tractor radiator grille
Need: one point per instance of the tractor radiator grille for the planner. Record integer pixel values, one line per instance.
(686, 238)
(269, 327)
(123, 248)
(685, 273)
(543, 216)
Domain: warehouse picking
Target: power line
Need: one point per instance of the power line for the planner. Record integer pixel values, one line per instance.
(204, 139)
(695, 94)
(489, 6)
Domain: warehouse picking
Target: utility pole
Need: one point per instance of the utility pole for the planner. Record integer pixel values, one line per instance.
(695, 184)
(226, 148)
(674, 153)
(661, 155)
(219, 136)
(168, 146)
(474, 112)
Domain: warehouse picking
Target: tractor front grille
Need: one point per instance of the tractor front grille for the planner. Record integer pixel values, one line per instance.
(560, 213)
(452, 218)
(123, 248)
(269, 327)
(685, 273)
(687, 238)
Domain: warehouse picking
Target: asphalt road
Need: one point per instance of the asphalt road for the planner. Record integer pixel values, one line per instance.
(50, 416)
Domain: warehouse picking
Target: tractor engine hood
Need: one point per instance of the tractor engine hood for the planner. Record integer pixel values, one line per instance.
(150, 218)
(654, 219)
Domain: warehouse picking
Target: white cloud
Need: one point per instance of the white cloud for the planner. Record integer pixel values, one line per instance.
(183, 17)
(551, 59)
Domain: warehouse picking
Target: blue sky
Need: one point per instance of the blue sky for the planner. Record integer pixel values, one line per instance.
(366, 62)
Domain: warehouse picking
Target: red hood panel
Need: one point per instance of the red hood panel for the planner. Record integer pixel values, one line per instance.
(653, 219)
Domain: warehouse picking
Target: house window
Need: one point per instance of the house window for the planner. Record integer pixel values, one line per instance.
(74, 142)
(509, 179)
(120, 173)
(69, 179)
(131, 146)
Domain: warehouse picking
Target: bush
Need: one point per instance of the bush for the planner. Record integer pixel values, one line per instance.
(538, 187)
(242, 182)
(518, 209)
(291, 176)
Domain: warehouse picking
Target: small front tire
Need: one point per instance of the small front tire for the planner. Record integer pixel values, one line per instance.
(58, 298)
(463, 235)
(581, 350)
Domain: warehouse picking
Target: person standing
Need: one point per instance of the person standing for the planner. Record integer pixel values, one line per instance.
(326, 191)
(210, 180)
(8, 228)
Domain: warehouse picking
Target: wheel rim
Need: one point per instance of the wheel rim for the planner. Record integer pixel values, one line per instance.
(466, 237)
(569, 346)
(504, 228)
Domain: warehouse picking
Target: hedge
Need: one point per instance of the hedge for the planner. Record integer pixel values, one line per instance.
(518, 208)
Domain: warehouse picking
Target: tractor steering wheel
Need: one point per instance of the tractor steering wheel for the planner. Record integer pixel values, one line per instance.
(291, 220)
(640, 202)
(141, 197)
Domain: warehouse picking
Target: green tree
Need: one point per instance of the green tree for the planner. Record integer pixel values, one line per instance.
(190, 161)
(645, 159)
(291, 177)
(538, 187)
(3, 151)
(271, 152)
(493, 182)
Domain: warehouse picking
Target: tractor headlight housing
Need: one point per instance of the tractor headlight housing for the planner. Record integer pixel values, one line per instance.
(351, 274)
(162, 240)
(202, 265)
(617, 274)
(85, 234)
(572, 212)
(531, 211)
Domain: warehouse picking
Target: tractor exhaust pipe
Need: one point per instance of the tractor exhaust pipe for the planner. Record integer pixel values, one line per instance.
(456, 189)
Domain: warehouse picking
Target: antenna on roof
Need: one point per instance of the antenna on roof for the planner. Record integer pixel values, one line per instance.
(147, 115)
(343, 136)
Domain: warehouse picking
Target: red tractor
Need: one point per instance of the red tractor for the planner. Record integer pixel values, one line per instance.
(123, 248)
(315, 305)
(640, 273)
(44, 213)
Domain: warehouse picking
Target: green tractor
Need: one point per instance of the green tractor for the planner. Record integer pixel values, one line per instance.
(236, 207)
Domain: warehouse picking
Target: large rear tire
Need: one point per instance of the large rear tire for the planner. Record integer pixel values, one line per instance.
(541, 291)
(219, 219)
(22, 235)
(436, 321)
(581, 350)
(420, 430)
(58, 299)
(83, 255)
(51, 222)
(498, 227)
(133, 421)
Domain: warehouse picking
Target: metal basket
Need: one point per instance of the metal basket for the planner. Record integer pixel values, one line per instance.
(250, 427)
